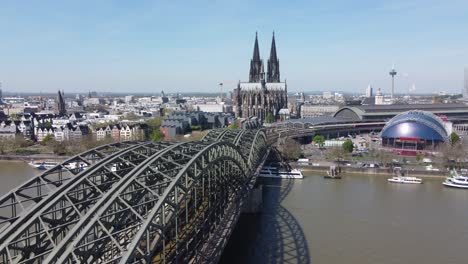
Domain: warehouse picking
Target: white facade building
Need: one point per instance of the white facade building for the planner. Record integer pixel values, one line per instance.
(379, 99)
(128, 99)
(369, 91)
(327, 95)
(210, 108)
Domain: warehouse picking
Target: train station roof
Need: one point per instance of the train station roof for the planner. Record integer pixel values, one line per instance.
(317, 120)
(386, 112)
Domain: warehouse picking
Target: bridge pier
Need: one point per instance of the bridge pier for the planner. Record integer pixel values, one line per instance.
(253, 203)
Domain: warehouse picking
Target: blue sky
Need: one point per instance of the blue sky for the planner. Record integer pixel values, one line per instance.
(186, 46)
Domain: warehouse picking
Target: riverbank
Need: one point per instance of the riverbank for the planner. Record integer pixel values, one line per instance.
(375, 171)
(16, 157)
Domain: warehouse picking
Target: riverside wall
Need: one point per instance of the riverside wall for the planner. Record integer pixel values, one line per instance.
(374, 171)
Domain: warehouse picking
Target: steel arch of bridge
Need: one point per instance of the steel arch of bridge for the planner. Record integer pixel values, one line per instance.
(34, 190)
(141, 202)
(39, 229)
(250, 141)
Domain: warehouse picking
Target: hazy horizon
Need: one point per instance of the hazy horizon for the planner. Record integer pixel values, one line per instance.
(210, 94)
(178, 46)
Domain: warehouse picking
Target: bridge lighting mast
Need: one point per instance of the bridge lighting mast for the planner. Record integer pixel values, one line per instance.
(393, 73)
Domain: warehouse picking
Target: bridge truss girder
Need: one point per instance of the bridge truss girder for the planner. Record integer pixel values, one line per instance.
(40, 229)
(189, 181)
(142, 203)
(28, 194)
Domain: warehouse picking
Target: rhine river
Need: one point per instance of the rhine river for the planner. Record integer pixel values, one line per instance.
(359, 219)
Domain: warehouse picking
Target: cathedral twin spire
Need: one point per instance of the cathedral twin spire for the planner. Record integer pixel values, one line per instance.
(273, 63)
(256, 64)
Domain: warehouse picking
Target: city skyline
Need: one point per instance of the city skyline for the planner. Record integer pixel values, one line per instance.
(146, 47)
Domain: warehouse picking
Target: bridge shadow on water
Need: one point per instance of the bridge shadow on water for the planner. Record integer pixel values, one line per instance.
(272, 236)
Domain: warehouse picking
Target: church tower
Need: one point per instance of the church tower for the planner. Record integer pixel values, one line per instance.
(273, 64)
(264, 94)
(255, 64)
(62, 111)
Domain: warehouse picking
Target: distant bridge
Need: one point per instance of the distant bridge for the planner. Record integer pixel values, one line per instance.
(298, 129)
(141, 202)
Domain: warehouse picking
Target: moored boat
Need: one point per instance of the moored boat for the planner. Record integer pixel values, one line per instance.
(43, 165)
(275, 172)
(333, 173)
(400, 178)
(76, 165)
(329, 176)
(456, 181)
(404, 179)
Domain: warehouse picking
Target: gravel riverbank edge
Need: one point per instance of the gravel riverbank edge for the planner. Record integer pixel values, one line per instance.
(376, 172)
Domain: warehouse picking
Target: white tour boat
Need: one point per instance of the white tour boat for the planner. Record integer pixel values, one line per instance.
(399, 178)
(43, 165)
(405, 179)
(456, 181)
(76, 165)
(274, 172)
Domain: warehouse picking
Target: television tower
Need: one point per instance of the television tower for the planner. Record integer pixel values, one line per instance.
(393, 73)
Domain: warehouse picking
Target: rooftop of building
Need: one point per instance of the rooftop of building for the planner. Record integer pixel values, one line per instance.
(415, 124)
(316, 120)
(388, 111)
(258, 85)
(393, 107)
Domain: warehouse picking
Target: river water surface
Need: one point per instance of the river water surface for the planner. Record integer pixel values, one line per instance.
(359, 219)
(13, 173)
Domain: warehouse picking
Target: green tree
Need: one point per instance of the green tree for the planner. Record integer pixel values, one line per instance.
(48, 139)
(167, 112)
(195, 127)
(452, 155)
(234, 125)
(59, 148)
(14, 116)
(154, 123)
(269, 118)
(348, 146)
(454, 138)
(5, 145)
(337, 154)
(385, 158)
(21, 142)
(290, 149)
(131, 116)
(157, 135)
(419, 157)
(319, 140)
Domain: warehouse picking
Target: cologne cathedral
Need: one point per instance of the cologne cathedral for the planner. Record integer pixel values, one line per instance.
(260, 96)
